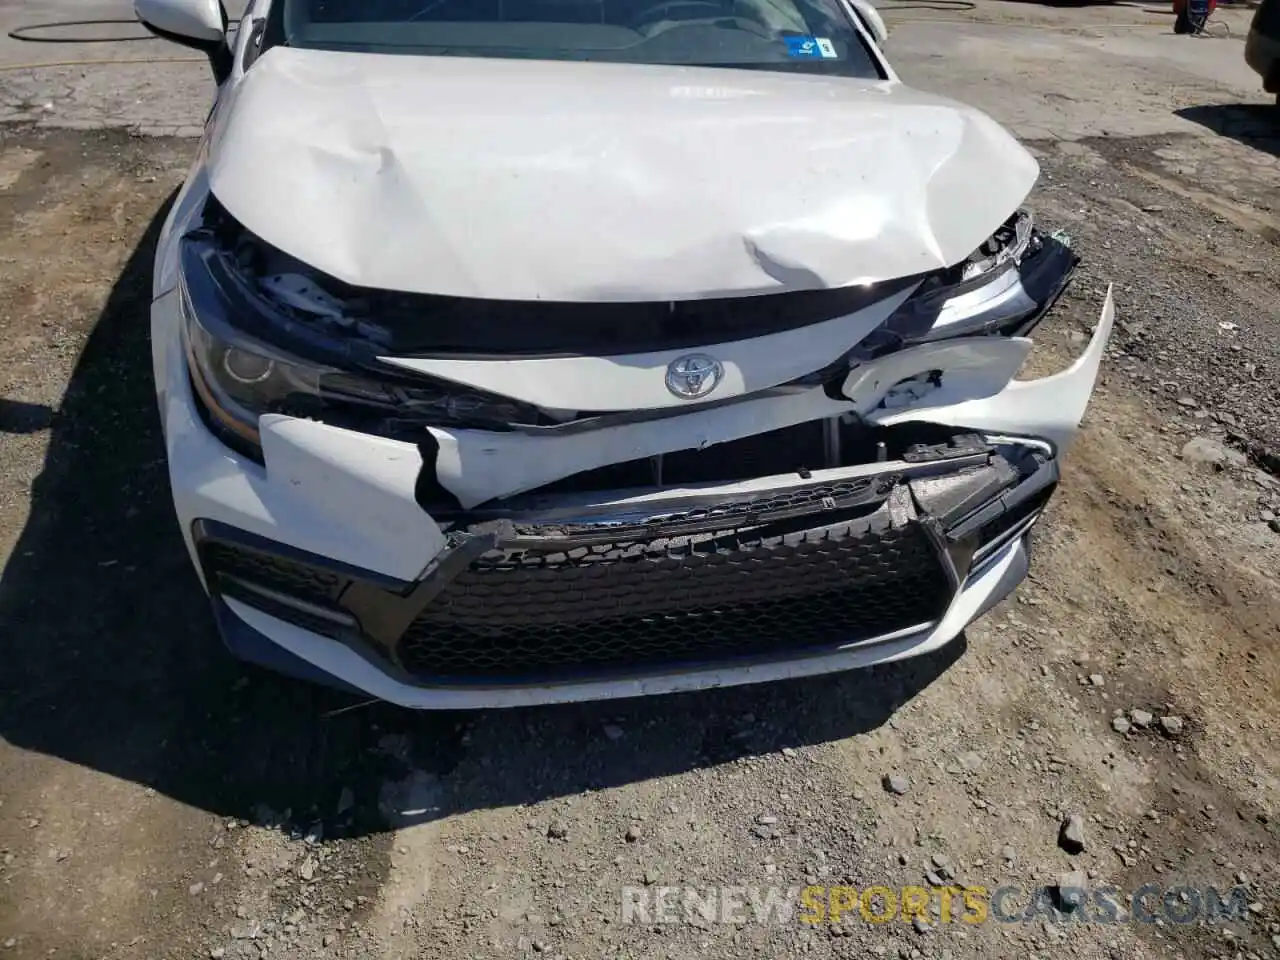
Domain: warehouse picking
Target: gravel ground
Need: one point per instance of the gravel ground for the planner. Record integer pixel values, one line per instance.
(1113, 725)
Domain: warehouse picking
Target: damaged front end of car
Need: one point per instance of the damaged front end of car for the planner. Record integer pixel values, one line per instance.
(609, 499)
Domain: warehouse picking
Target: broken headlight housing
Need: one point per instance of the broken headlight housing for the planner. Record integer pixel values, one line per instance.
(247, 357)
(1003, 288)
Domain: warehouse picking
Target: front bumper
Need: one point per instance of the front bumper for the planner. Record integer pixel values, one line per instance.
(283, 646)
(324, 564)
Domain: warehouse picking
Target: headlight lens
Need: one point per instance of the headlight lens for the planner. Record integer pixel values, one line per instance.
(239, 374)
(238, 378)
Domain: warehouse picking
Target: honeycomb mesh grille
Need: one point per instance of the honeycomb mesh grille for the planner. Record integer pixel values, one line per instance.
(276, 573)
(669, 602)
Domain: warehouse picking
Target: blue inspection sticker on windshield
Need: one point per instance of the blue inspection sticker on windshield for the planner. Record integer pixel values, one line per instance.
(817, 48)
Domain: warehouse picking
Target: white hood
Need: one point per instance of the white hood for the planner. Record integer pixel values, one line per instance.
(526, 180)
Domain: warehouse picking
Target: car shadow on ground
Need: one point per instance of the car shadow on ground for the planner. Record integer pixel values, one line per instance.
(111, 661)
(19, 417)
(1255, 125)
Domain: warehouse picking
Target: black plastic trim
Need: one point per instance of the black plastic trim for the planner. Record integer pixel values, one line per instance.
(247, 644)
(1045, 478)
(203, 530)
(253, 45)
(1047, 282)
(551, 533)
(385, 617)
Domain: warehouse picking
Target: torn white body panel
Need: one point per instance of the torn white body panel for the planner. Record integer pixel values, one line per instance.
(626, 183)
(323, 490)
(638, 381)
(1050, 407)
(478, 466)
(966, 368)
(373, 476)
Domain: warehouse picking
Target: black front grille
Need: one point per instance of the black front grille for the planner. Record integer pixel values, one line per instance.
(677, 601)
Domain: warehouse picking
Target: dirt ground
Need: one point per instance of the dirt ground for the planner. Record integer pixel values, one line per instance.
(159, 800)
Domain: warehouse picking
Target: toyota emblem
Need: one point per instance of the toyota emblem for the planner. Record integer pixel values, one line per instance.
(694, 375)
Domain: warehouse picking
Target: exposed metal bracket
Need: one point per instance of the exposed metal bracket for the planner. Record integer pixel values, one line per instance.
(831, 441)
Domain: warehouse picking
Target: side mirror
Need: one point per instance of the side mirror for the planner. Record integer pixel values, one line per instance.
(200, 24)
(871, 18)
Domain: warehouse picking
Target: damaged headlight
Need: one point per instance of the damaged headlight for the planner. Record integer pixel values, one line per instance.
(247, 359)
(1003, 288)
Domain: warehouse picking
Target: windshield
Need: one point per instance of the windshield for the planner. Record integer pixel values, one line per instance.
(807, 36)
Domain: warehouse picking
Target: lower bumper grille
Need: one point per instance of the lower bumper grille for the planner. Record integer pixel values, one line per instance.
(676, 601)
(233, 562)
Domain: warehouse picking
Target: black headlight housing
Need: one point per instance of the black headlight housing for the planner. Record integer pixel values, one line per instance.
(249, 356)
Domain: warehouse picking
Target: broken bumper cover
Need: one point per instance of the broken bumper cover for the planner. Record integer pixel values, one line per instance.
(323, 564)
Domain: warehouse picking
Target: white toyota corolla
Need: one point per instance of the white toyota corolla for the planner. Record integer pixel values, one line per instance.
(519, 351)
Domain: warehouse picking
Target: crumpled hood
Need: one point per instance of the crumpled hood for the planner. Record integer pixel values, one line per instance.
(525, 180)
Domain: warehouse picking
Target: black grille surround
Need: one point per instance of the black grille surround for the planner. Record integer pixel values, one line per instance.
(649, 604)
